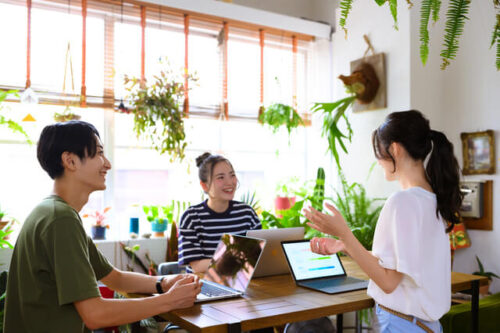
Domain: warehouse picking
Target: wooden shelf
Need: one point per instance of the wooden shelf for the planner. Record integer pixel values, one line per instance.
(485, 222)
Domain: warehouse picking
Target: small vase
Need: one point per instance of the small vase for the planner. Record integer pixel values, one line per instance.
(159, 228)
(98, 232)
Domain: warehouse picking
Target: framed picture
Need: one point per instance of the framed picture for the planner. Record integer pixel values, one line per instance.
(479, 152)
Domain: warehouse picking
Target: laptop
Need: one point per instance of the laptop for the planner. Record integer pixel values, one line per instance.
(319, 272)
(272, 261)
(231, 268)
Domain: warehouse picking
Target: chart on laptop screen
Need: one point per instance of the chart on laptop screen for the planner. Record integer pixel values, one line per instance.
(308, 265)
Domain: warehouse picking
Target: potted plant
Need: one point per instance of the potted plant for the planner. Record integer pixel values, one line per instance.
(157, 111)
(98, 228)
(159, 217)
(5, 228)
(285, 197)
(278, 114)
(484, 290)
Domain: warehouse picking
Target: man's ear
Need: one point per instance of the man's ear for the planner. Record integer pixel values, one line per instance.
(204, 186)
(68, 161)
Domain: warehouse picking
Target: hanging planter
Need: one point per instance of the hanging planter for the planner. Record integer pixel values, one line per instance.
(157, 113)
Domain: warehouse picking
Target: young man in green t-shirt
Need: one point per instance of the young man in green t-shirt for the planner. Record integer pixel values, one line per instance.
(52, 284)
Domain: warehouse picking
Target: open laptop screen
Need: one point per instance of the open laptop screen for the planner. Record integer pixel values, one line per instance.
(234, 261)
(308, 265)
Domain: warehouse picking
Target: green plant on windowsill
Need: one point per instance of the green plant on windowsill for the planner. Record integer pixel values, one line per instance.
(278, 114)
(158, 116)
(11, 124)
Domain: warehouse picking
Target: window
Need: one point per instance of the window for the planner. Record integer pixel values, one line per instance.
(140, 175)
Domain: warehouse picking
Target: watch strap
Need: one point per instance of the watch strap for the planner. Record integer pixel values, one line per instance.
(159, 289)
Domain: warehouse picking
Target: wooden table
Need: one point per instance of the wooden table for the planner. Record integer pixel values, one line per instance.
(463, 282)
(276, 300)
(271, 301)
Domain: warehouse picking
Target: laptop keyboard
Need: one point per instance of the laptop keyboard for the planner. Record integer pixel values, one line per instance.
(211, 290)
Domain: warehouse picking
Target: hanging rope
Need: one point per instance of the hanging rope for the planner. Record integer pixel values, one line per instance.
(186, 64)
(294, 50)
(369, 47)
(261, 42)
(83, 94)
(143, 46)
(28, 47)
(224, 84)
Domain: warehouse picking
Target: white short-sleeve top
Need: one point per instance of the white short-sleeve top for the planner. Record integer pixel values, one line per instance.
(411, 239)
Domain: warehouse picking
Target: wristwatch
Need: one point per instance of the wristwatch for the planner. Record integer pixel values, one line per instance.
(159, 289)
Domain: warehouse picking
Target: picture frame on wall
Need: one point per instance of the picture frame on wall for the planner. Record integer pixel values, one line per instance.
(478, 150)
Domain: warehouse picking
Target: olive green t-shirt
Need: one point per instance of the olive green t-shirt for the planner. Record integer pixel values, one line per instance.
(54, 264)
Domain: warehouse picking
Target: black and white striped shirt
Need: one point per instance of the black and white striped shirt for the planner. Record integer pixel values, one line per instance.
(201, 228)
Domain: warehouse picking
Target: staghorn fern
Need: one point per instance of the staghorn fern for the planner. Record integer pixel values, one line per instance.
(345, 9)
(332, 114)
(435, 8)
(425, 13)
(455, 21)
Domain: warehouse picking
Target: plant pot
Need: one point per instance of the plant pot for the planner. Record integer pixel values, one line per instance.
(98, 232)
(485, 290)
(283, 203)
(158, 227)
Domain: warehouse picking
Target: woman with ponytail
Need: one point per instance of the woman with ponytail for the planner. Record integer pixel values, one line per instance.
(202, 225)
(409, 266)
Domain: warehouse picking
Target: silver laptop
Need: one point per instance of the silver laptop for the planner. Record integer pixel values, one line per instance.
(231, 268)
(273, 261)
(323, 273)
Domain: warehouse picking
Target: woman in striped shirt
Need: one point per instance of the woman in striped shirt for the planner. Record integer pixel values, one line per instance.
(202, 225)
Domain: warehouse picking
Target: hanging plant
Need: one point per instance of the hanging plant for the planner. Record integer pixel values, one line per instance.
(11, 124)
(277, 115)
(455, 22)
(332, 113)
(157, 112)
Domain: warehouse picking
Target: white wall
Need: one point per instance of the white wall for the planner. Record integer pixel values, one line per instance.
(464, 98)
(471, 103)
(316, 10)
(376, 22)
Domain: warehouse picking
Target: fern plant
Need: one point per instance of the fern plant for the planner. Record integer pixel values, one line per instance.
(455, 22)
(345, 9)
(359, 211)
(454, 26)
(496, 36)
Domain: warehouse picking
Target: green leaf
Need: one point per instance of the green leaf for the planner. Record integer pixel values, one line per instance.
(393, 5)
(455, 22)
(277, 115)
(380, 2)
(345, 9)
(425, 12)
(435, 9)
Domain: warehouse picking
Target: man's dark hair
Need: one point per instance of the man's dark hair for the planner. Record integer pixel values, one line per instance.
(77, 137)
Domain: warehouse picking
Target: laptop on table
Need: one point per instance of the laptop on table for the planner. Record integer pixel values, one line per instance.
(272, 261)
(231, 268)
(319, 272)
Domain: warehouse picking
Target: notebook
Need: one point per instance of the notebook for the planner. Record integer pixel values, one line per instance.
(272, 261)
(323, 273)
(231, 268)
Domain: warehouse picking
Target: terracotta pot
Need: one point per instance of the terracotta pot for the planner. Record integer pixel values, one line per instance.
(283, 203)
